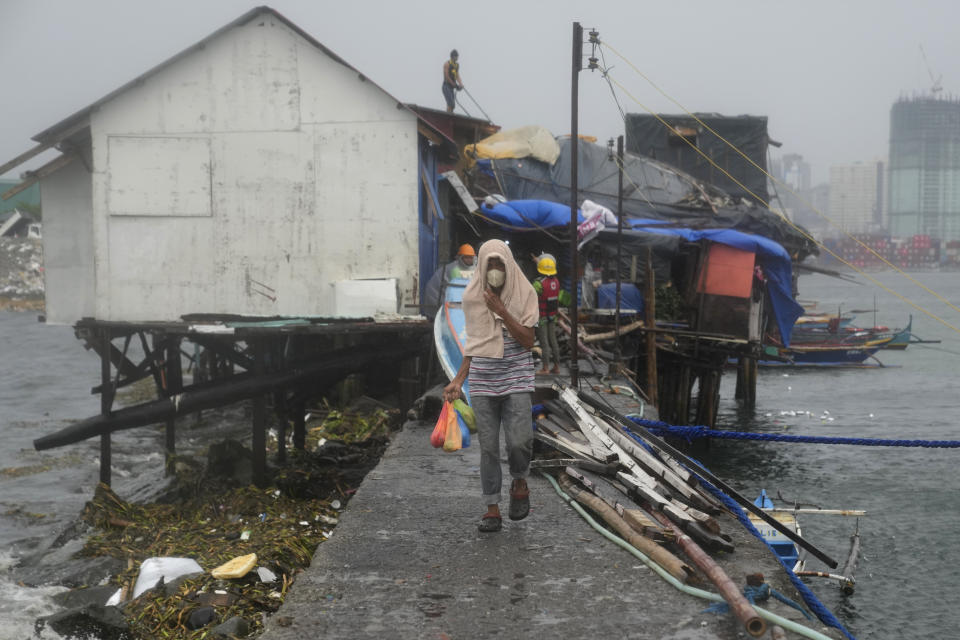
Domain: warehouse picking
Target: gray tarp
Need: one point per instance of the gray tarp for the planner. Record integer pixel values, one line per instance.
(651, 190)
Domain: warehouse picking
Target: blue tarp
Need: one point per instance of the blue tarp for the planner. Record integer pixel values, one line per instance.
(630, 296)
(529, 214)
(772, 257)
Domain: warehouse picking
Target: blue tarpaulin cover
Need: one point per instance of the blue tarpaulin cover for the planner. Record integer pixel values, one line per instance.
(630, 296)
(772, 257)
(529, 214)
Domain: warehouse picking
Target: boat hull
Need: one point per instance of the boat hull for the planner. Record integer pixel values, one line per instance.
(450, 331)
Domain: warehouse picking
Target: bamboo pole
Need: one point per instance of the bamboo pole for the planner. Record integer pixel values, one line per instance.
(649, 307)
(740, 606)
(596, 337)
(673, 565)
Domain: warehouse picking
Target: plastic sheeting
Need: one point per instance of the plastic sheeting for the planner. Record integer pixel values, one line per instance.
(522, 215)
(651, 190)
(523, 142)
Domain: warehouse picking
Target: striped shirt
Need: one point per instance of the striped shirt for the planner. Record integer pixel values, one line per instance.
(513, 373)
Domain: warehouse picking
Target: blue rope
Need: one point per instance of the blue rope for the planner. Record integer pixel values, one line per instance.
(824, 614)
(692, 433)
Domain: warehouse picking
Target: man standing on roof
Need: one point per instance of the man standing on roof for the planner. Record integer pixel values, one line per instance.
(549, 296)
(500, 310)
(451, 80)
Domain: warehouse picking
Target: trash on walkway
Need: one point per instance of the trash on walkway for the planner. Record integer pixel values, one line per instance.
(236, 568)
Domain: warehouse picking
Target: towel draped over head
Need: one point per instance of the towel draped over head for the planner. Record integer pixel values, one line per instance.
(484, 329)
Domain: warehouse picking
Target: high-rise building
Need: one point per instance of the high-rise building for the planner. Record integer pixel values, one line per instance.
(796, 172)
(856, 196)
(925, 167)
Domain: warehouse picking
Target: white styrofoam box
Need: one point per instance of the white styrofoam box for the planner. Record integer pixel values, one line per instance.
(365, 298)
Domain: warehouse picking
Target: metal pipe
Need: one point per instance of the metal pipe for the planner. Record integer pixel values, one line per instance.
(575, 157)
(616, 322)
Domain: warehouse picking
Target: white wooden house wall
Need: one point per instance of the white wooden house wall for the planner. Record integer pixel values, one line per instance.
(246, 177)
(68, 245)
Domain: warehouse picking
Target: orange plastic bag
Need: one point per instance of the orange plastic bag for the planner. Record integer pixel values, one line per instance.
(454, 439)
(439, 434)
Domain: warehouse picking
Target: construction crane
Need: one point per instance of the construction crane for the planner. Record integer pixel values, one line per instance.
(936, 88)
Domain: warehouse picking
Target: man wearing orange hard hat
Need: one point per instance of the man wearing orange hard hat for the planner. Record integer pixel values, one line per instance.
(461, 268)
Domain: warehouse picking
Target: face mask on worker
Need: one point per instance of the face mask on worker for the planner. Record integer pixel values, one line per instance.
(496, 278)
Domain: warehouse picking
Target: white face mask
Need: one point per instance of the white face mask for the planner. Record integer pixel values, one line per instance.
(496, 278)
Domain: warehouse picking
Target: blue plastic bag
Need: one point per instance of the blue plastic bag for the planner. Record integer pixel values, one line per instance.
(464, 431)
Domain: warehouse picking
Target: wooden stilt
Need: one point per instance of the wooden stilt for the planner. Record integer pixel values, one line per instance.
(174, 384)
(683, 396)
(106, 402)
(299, 425)
(649, 306)
(280, 398)
(738, 393)
(408, 383)
(259, 440)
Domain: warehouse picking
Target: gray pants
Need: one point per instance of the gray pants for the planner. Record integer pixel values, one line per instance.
(547, 335)
(513, 412)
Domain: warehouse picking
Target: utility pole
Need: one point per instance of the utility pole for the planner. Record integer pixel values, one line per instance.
(575, 158)
(619, 353)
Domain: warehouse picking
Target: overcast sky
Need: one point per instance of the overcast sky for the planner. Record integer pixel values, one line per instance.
(824, 72)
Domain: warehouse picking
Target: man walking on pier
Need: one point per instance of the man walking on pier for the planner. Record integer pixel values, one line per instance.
(500, 308)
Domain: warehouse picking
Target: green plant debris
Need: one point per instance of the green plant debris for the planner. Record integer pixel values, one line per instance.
(283, 532)
(351, 427)
(282, 524)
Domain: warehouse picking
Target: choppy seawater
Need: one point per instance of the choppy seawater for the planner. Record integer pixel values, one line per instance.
(909, 567)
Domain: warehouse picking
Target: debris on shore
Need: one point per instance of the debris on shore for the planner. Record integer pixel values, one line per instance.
(278, 528)
(21, 274)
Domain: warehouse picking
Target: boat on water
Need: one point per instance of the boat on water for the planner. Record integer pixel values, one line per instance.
(788, 551)
(848, 336)
(800, 355)
(450, 330)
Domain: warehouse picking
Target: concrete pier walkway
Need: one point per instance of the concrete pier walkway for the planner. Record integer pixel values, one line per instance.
(407, 561)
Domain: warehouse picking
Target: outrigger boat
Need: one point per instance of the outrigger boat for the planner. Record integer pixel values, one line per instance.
(821, 356)
(847, 336)
(788, 551)
(450, 330)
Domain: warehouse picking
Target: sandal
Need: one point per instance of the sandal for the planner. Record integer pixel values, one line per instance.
(519, 500)
(490, 523)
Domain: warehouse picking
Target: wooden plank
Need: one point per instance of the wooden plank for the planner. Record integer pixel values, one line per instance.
(461, 190)
(39, 174)
(40, 148)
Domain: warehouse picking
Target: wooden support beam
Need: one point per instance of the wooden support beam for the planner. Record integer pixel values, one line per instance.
(174, 385)
(36, 176)
(649, 308)
(299, 425)
(259, 440)
(40, 148)
(106, 402)
(280, 402)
